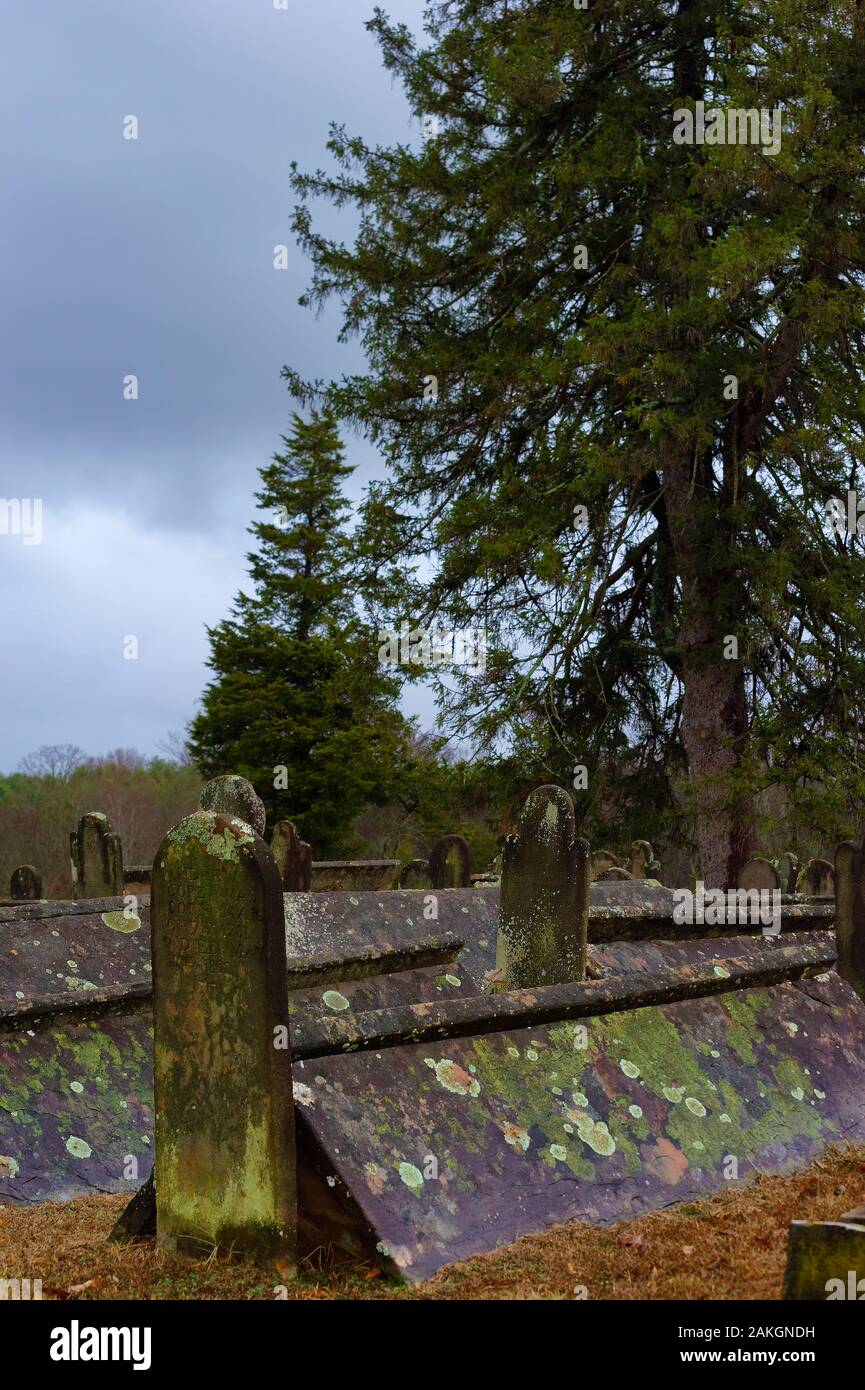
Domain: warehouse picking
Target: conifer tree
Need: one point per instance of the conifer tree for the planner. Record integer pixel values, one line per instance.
(299, 704)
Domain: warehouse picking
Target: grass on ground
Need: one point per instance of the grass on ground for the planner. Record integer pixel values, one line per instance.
(731, 1246)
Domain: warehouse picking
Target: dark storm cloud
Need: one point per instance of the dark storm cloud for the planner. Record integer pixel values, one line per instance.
(154, 257)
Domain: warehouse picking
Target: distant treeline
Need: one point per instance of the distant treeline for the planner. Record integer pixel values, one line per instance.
(38, 809)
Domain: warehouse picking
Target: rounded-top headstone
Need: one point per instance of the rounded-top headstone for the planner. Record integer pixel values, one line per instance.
(234, 796)
(26, 883)
(759, 873)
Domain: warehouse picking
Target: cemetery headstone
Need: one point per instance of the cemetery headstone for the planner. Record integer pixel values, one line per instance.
(613, 874)
(25, 883)
(817, 879)
(415, 874)
(642, 862)
(97, 858)
(225, 1166)
(451, 863)
(234, 796)
(544, 906)
(293, 858)
(850, 914)
(788, 871)
(759, 873)
(604, 859)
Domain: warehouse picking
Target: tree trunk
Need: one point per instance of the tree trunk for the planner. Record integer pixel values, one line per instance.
(714, 708)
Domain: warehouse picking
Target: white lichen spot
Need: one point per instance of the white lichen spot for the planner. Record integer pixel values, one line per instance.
(695, 1106)
(674, 1094)
(629, 1068)
(303, 1094)
(580, 1100)
(797, 1093)
(513, 1051)
(76, 1086)
(79, 1148)
(721, 972)
(725, 1119)
(531, 1054)
(559, 1153)
(334, 1000)
(596, 1134)
(515, 1135)
(9, 1165)
(636, 1111)
(821, 1095)
(453, 979)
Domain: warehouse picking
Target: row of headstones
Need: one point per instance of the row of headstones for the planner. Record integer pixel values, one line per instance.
(606, 867)
(815, 879)
(450, 864)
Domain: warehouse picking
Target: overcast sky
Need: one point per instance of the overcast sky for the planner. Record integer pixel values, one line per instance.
(154, 257)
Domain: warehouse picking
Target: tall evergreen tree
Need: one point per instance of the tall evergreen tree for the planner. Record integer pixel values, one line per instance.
(566, 305)
(298, 686)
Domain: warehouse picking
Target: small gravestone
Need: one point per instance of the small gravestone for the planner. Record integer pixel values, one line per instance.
(759, 873)
(225, 1167)
(788, 871)
(451, 863)
(234, 796)
(26, 882)
(642, 862)
(414, 874)
(817, 879)
(293, 858)
(604, 859)
(614, 874)
(97, 858)
(544, 906)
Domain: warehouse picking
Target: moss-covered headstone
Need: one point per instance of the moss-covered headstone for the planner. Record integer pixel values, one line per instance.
(451, 863)
(544, 902)
(225, 1166)
(293, 858)
(26, 882)
(97, 858)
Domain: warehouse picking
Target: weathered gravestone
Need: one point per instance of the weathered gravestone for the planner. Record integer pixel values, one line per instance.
(602, 859)
(614, 874)
(26, 882)
(414, 874)
(293, 858)
(816, 879)
(642, 862)
(850, 913)
(544, 895)
(451, 863)
(788, 871)
(234, 796)
(225, 1168)
(97, 858)
(759, 873)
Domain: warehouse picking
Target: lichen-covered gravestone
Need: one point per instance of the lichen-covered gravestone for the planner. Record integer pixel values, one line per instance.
(817, 879)
(451, 863)
(97, 858)
(234, 796)
(225, 1168)
(26, 882)
(293, 858)
(850, 913)
(759, 873)
(614, 874)
(544, 901)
